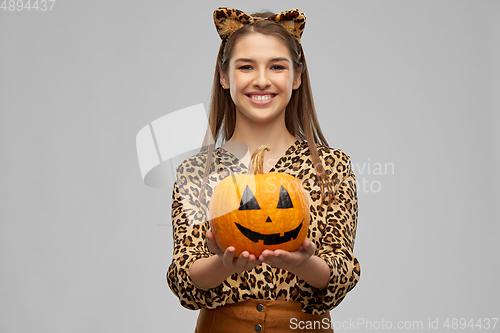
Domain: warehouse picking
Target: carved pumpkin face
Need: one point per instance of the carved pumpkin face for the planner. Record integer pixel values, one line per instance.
(257, 212)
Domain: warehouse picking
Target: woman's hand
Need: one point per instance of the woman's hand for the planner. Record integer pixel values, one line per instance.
(244, 262)
(290, 261)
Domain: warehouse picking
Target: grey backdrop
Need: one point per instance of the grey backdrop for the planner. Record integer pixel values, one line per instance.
(408, 89)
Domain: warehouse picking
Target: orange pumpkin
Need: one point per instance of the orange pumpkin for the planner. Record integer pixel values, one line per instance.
(259, 211)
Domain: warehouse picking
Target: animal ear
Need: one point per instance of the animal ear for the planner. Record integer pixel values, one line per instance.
(285, 201)
(293, 20)
(228, 20)
(248, 201)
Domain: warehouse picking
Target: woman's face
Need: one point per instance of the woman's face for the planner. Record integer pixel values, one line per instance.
(260, 77)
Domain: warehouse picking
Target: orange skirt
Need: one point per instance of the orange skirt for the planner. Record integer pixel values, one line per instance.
(262, 316)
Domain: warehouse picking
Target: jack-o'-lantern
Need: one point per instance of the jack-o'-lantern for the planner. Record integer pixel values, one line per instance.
(259, 211)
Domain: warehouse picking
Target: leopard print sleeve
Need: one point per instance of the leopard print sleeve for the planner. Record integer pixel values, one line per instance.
(189, 226)
(337, 230)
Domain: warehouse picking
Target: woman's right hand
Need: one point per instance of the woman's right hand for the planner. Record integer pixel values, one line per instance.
(245, 261)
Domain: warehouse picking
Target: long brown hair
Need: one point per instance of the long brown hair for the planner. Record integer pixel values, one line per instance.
(300, 115)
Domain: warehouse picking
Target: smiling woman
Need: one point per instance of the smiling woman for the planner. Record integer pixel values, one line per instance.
(262, 96)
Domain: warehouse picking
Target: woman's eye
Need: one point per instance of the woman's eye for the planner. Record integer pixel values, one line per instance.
(277, 67)
(245, 67)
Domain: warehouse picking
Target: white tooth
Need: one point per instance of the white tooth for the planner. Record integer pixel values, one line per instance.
(261, 97)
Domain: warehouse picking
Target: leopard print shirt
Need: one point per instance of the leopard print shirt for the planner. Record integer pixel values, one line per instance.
(332, 229)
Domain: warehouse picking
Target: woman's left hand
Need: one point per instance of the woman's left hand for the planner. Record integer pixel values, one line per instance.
(290, 261)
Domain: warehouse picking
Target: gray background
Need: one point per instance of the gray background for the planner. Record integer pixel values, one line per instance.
(84, 244)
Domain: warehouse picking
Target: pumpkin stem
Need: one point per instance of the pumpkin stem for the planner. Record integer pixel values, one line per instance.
(258, 160)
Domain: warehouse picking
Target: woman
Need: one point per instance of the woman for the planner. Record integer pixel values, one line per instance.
(262, 96)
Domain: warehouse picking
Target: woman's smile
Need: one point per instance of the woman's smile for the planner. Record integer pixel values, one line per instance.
(261, 98)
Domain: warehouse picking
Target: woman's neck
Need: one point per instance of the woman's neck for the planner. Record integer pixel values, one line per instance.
(272, 134)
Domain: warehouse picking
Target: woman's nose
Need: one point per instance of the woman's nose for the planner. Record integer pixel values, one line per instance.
(261, 79)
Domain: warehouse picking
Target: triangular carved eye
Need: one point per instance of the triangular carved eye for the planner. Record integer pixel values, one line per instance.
(285, 201)
(248, 201)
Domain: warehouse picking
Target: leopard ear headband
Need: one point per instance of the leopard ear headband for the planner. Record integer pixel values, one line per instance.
(228, 20)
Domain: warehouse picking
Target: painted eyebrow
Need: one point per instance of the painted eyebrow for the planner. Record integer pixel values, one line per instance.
(251, 60)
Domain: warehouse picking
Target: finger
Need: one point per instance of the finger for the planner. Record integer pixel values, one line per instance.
(241, 262)
(309, 246)
(266, 253)
(286, 258)
(212, 245)
(252, 262)
(272, 256)
(263, 256)
(276, 262)
(210, 237)
(306, 242)
(251, 257)
(290, 259)
(228, 257)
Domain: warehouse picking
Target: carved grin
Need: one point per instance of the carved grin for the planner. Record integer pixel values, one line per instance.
(271, 239)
